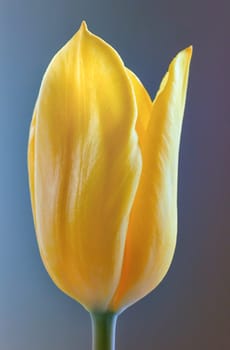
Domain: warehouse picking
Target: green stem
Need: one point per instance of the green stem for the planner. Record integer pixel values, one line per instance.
(104, 325)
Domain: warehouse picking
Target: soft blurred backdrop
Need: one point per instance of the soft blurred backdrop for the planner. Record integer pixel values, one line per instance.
(190, 309)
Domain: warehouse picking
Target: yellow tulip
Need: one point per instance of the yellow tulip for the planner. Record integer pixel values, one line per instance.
(103, 163)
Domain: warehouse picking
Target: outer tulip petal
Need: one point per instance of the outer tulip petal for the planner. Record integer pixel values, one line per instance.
(152, 228)
(88, 165)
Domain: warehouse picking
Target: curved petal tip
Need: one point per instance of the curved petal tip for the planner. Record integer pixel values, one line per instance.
(189, 50)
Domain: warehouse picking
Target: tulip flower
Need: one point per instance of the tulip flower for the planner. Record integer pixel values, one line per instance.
(103, 164)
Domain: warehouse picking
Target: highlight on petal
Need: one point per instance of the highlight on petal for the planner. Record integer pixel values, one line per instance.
(151, 236)
(88, 163)
(31, 168)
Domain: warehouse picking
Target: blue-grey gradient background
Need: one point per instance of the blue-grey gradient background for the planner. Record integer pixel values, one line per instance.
(190, 309)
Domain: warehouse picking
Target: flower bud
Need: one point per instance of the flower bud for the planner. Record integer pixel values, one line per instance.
(103, 161)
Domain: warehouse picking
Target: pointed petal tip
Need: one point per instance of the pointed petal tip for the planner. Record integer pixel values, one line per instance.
(189, 50)
(184, 55)
(83, 26)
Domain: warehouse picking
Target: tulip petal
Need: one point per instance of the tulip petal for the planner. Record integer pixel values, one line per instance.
(144, 105)
(87, 164)
(152, 228)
